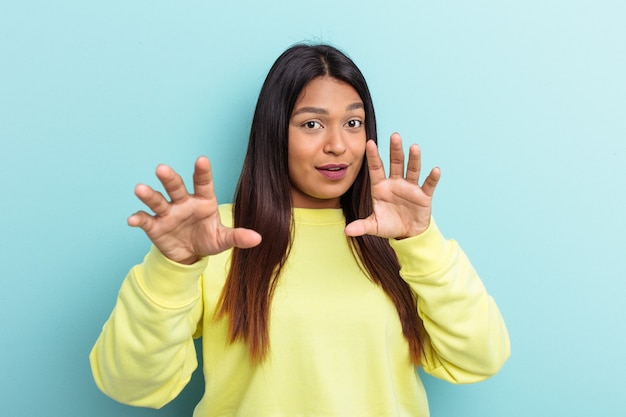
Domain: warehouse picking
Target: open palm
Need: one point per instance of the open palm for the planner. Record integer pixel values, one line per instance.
(402, 208)
(188, 226)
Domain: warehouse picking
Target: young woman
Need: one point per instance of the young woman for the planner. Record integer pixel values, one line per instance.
(320, 289)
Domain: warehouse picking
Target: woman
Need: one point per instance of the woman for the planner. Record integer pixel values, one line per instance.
(319, 291)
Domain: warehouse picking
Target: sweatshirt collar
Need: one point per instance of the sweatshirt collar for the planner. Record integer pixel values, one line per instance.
(318, 216)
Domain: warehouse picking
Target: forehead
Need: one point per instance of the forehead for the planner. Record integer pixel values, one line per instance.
(327, 91)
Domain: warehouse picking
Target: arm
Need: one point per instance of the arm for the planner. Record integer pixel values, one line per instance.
(465, 339)
(145, 354)
(464, 336)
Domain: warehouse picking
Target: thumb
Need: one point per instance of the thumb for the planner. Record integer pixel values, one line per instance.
(362, 227)
(243, 238)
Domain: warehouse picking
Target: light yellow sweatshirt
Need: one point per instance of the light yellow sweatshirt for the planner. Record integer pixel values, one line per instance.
(336, 343)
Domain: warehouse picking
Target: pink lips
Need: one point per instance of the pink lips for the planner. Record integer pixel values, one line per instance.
(333, 171)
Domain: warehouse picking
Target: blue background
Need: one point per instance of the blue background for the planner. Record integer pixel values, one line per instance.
(521, 103)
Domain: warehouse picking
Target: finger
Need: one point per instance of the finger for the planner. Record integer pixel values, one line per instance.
(361, 227)
(414, 166)
(203, 179)
(396, 157)
(142, 220)
(153, 199)
(431, 182)
(374, 163)
(173, 183)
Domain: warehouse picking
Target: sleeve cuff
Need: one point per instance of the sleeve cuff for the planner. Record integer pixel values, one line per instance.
(424, 253)
(168, 283)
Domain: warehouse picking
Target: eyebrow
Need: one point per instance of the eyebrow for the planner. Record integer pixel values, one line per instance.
(321, 110)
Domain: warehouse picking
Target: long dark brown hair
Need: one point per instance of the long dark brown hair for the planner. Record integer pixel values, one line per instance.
(263, 203)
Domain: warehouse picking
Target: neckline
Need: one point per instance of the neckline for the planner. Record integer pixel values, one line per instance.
(318, 216)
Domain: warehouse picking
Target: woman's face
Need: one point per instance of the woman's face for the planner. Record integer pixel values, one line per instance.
(326, 143)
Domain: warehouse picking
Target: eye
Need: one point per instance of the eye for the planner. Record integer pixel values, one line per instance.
(354, 123)
(312, 124)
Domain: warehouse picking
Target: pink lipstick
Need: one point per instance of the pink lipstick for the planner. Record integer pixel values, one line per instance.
(333, 172)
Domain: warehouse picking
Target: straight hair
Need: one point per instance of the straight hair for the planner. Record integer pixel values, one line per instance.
(263, 203)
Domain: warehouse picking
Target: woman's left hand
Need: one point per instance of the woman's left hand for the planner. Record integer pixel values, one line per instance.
(402, 208)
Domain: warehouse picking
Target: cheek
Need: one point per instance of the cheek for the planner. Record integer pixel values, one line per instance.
(292, 154)
(296, 156)
(358, 167)
(359, 153)
(298, 159)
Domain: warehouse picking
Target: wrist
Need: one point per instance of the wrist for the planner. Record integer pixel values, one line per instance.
(187, 261)
(169, 283)
(415, 230)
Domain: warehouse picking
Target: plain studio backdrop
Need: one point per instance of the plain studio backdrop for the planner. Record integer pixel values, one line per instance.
(521, 103)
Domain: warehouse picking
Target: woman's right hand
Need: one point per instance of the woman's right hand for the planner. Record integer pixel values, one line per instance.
(188, 226)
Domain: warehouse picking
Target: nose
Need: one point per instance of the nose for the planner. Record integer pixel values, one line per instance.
(334, 142)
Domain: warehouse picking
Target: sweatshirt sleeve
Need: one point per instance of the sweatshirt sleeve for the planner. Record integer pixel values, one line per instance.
(145, 353)
(465, 338)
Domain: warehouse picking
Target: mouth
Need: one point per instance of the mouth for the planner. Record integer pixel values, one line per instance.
(333, 172)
